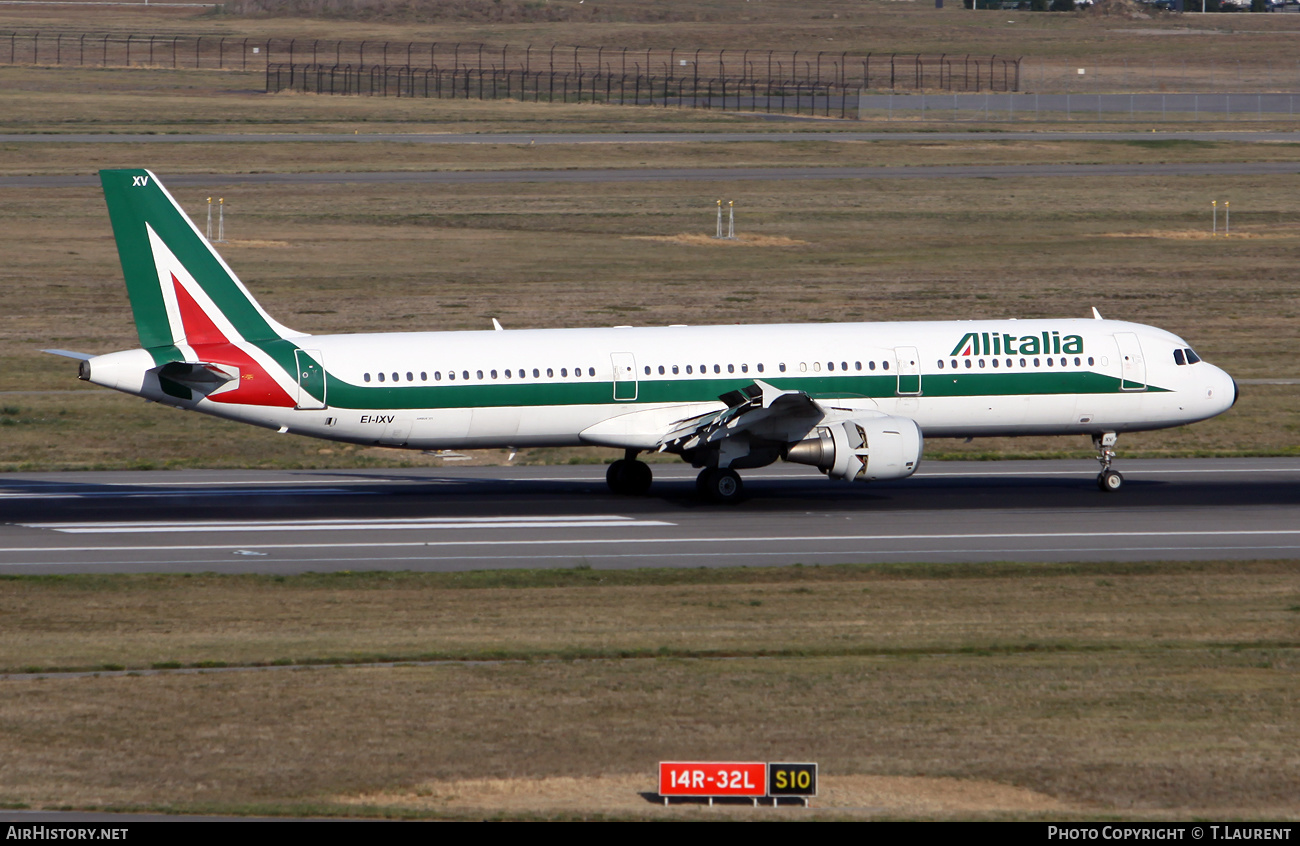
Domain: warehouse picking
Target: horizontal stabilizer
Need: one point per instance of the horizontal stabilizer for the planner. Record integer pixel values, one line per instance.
(70, 354)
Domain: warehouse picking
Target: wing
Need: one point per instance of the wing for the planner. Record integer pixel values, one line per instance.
(758, 408)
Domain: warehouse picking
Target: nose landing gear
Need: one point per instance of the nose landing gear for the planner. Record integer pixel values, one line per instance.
(1108, 480)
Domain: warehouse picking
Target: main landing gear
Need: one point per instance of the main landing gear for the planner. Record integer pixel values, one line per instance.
(1108, 480)
(629, 477)
(719, 484)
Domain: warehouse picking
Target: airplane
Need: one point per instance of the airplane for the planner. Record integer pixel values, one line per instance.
(854, 400)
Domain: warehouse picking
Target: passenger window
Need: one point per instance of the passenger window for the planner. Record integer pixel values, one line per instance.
(536, 373)
(940, 364)
(803, 367)
(507, 374)
(451, 376)
(954, 364)
(1077, 361)
(884, 365)
(731, 368)
(717, 368)
(744, 368)
(479, 374)
(437, 375)
(688, 369)
(1008, 362)
(424, 377)
(830, 365)
(760, 367)
(995, 362)
(550, 373)
(968, 364)
(591, 371)
(1049, 362)
(1022, 362)
(661, 370)
(871, 365)
(857, 365)
(381, 377)
(1036, 363)
(844, 365)
(817, 367)
(367, 377)
(781, 367)
(494, 374)
(564, 372)
(1090, 361)
(647, 370)
(981, 363)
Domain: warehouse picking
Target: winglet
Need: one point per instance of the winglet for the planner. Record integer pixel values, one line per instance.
(496, 324)
(1096, 315)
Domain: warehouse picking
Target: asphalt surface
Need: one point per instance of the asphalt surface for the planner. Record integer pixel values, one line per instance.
(540, 139)
(461, 518)
(694, 174)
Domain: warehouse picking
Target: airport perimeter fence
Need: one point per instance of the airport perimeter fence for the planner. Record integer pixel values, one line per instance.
(794, 97)
(878, 71)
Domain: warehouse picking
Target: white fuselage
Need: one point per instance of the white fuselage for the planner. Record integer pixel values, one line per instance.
(624, 387)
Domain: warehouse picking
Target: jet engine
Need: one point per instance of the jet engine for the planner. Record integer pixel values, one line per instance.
(865, 449)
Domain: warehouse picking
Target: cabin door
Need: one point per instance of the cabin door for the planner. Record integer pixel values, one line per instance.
(311, 379)
(1133, 368)
(624, 376)
(909, 371)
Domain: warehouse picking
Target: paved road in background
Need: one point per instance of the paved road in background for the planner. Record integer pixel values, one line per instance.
(461, 518)
(528, 139)
(709, 174)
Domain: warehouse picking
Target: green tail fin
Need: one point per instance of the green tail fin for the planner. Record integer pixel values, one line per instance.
(174, 277)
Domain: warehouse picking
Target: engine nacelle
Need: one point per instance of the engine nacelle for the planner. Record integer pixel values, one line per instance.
(864, 450)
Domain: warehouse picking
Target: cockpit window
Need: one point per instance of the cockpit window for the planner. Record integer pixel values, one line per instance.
(1192, 357)
(1178, 357)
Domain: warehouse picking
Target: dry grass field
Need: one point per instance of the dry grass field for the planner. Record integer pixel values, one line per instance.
(410, 257)
(1094, 691)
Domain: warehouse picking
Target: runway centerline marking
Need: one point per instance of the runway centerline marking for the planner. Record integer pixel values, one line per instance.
(359, 524)
(161, 493)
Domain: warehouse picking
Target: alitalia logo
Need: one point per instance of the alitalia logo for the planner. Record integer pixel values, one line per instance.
(993, 343)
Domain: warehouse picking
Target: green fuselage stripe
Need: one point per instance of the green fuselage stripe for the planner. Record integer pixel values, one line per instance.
(504, 392)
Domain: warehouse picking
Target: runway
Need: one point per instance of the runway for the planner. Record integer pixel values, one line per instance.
(462, 518)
